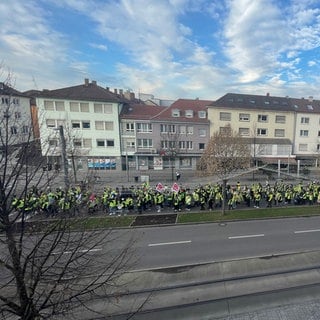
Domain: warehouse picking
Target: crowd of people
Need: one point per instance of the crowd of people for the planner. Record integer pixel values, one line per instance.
(145, 198)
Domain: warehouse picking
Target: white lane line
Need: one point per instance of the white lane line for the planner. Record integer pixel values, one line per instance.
(307, 231)
(246, 236)
(168, 243)
(80, 251)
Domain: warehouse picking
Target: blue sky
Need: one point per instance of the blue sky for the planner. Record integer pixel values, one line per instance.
(169, 48)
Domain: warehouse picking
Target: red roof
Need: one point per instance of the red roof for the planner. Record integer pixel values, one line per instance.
(158, 113)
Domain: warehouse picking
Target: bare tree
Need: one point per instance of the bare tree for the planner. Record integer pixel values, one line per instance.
(49, 267)
(226, 154)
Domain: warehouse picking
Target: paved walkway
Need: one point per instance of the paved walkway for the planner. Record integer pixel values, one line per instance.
(300, 311)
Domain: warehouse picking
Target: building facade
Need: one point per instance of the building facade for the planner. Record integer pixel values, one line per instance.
(89, 116)
(277, 128)
(155, 137)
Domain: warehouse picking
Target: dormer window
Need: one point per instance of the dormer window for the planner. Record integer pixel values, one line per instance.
(202, 114)
(189, 113)
(176, 113)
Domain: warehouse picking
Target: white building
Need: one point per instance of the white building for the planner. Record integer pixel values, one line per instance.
(89, 116)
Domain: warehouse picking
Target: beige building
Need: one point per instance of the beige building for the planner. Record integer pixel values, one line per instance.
(267, 122)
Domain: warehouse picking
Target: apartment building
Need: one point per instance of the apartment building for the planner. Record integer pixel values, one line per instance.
(158, 137)
(15, 120)
(277, 128)
(307, 130)
(89, 116)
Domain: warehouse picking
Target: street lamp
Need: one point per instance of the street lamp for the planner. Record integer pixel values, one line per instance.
(64, 157)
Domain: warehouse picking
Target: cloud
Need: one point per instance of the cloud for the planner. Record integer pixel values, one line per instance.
(101, 47)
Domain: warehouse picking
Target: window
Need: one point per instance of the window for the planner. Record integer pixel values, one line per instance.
(279, 132)
(17, 115)
(318, 147)
(144, 143)
(61, 123)
(51, 123)
(77, 143)
(244, 131)
(87, 143)
(182, 144)
(175, 113)
(305, 120)
(202, 132)
(280, 119)
(86, 124)
(262, 132)
(144, 127)
(224, 130)
(189, 113)
(265, 149)
(202, 146)
(283, 150)
(16, 101)
(303, 147)
(189, 130)
(25, 129)
(59, 105)
(13, 130)
(189, 145)
(84, 107)
(108, 125)
(74, 106)
(53, 143)
(130, 127)
(262, 118)
(182, 129)
(110, 143)
(99, 125)
(202, 114)
(304, 133)
(225, 116)
(167, 128)
(102, 108)
(318, 133)
(244, 117)
(48, 105)
(100, 143)
(75, 124)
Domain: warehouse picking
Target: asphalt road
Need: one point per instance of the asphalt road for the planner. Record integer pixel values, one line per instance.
(157, 247)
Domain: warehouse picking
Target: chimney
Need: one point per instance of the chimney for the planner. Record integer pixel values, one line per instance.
(132, 97)
(268, 94)
(94, 82)
(116, 91)
(310, 98)
(107, 88)
(121, 92)
(86, 82)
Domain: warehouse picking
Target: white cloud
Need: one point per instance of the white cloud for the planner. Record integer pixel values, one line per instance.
(101, 47)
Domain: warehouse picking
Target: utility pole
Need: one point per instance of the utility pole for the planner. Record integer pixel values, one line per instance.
(64, 158)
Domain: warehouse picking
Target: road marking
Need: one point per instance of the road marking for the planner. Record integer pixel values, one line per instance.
(246, 236)
(307, 231)
(80, 251)
(168, 243)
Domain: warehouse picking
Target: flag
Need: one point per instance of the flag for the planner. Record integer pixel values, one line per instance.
(175, 187)
(159, 187)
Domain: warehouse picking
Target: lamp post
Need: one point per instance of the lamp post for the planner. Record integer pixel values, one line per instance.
(64, 158)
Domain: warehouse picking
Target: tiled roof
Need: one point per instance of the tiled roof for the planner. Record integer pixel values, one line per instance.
(83, 92)
(267, 102)
(183, 105)
(9, 91)
(140, 111)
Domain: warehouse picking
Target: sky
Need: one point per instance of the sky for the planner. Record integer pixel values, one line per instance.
(169, 48)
